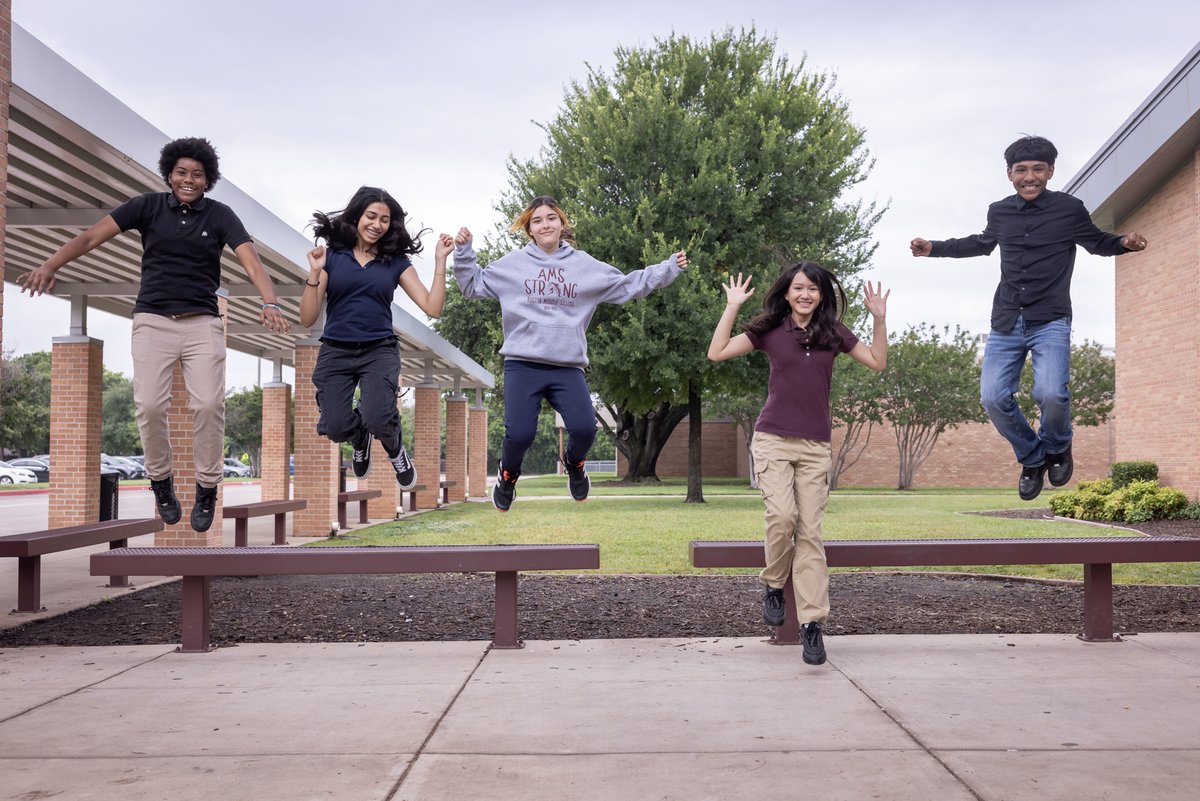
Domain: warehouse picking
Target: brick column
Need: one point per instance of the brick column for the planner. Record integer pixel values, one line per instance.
(427, 443)
(383, 478)
(316, 458)
(76, 395)
(276, 426)
(456, 446)
(477, 451)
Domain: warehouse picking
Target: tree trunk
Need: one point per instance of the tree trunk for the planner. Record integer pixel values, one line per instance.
(641, 438)
(842, 460)
(695, 488)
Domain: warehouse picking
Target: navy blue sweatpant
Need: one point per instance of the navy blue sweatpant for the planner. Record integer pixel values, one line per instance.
(525, 384)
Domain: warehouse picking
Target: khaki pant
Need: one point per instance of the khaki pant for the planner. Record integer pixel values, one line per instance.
(198, 345)
(793, 475)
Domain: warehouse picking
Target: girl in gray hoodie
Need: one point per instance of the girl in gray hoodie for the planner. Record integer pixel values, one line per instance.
(548, 292)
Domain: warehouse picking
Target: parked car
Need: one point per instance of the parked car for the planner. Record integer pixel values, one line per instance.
(141, 460)
(126, 468)
(39, 467)
(235, 469)
(16, 475)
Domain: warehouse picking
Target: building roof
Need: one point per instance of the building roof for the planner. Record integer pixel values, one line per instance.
(75, 152)
(1146, 150)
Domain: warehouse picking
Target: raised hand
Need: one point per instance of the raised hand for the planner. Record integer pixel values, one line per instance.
(876, 299)
(738, 291)
(316, 259)
(921, 247)
(445, 245)
(681, 259)
(463, 237)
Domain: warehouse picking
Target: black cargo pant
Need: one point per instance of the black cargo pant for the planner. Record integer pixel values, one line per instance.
(374, 369)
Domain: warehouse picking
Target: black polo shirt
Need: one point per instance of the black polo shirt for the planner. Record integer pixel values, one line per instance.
(181, 250)
(1037, 254)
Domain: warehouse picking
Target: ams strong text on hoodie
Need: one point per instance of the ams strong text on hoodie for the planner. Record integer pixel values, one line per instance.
(547, 300)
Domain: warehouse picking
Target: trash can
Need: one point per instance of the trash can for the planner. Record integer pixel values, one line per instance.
(110, 481)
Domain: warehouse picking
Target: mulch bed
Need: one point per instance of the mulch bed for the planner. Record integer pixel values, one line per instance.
(459, 607)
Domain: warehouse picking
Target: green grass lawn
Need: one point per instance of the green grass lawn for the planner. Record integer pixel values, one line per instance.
(650, 533)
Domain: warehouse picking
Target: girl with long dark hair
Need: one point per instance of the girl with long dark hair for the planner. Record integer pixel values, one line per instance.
(801, 331)
(366, 255)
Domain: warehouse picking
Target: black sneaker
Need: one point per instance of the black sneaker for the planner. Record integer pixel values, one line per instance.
(1032, 480)
(505, 489)
(814, 643)
(205, 508)
(578, 481)
(165, 500)
(1059, 467)
(360, 460)
(406, 473)
(773, 606)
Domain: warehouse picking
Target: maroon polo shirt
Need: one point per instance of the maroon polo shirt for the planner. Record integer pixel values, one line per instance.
(798, 390)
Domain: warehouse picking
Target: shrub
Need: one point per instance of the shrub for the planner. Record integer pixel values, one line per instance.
(1085, 502)
(1189, 512)
(1124, 473)
(1136, 502)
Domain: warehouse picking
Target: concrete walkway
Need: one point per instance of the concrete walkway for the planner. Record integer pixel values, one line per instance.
(948, 717)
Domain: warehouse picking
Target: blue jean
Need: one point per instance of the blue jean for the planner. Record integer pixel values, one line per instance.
(525, 384)
(1003, 358)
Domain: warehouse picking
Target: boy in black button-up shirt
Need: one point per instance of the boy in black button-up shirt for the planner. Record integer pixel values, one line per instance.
(176, 319)
(1037, 231)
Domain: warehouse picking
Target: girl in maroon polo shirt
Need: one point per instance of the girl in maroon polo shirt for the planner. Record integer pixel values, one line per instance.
(801, 331)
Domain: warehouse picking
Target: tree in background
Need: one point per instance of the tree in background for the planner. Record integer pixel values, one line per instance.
(25, 403)
(722, 147)
(1093, 386)
(856, 404)
(931, 384)
(118, 429)
(243, 425)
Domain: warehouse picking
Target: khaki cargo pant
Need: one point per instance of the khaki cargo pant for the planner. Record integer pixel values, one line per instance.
(793, 475)
(198, 345)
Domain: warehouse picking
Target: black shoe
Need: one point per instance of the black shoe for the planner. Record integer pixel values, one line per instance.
(1059, 467)
(578, 481)
(1032, 479)
(773, 606)
(814, 643)
(505, 489)
(205, 508)
(406, 473)
(165, 500)
(360, 459)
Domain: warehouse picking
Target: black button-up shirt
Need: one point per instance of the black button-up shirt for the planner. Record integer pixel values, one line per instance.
(181, 250)
(1037, 254)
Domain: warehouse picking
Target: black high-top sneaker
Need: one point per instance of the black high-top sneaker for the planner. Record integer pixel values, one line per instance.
(505, 489)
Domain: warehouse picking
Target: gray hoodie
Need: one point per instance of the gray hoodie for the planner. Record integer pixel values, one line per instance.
(547, 300)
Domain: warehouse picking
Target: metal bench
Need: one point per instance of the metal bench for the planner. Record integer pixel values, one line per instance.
(242, 513)
(362, 496)
(1096, 554)
(29, 548)
(198, 565)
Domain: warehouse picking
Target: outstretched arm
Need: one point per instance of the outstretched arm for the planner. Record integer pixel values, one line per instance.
(314, 287)
(432, 300)
(467, 271)
(271, 315)
(42, 280)
(640, 283)
(723, 346)
(875, 355)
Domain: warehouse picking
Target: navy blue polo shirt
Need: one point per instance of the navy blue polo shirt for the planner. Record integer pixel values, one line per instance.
(359, 299)
(181, 250)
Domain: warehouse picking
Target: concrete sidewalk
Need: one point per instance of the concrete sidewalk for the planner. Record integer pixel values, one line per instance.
(893, 717)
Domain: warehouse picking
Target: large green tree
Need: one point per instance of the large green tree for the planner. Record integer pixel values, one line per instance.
(25, 403)
(118, 429)
(243, 425)
(931, 384)
(1093, 385)
(723, 147)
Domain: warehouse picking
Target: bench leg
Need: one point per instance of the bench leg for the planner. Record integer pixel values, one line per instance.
(241, 532)
(195, 615)
(412, 500)
(29, 584)
(281, 528)
(446, 496)
(118, 581)
(1098, 604)
(362, 512)
(343, 522)
(789, 632)
(506, 611)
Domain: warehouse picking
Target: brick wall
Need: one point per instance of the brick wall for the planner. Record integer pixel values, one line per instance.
(969, 456)
(1158, 341)
(76, 394)
(276, 425)
(5, 80)
(427, 442)
(456, 446)
(316, 458)
(477, 451)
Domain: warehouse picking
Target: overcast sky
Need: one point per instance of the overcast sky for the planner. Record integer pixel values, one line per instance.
(308, 100)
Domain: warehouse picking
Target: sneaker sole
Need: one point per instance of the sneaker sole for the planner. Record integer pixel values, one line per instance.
(819, 661)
